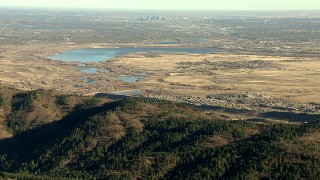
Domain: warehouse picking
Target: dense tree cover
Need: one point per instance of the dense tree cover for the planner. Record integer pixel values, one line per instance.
(62, 100)
(25, 110)
(20, 104)
(144, 139)
(2, 101)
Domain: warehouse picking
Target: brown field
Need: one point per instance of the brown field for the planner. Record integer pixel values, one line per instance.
(288, 78)
(296, 79)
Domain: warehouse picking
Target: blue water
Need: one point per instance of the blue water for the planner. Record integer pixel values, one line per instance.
(199, 40)
(128, 79)
(169, 42)
(89, 70)
(130, 92)
(105, 54)
(88, 80)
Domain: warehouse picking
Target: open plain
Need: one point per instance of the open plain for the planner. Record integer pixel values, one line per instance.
(255, 83)
(267, 67)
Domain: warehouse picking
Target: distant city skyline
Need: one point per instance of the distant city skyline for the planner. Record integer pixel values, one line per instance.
(169, 4)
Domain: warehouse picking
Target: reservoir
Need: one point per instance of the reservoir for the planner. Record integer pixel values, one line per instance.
(89, 70)
(88, 80)
(105, 54)
(128, 79)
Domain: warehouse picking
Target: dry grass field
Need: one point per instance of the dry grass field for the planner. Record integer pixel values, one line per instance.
(290, 79)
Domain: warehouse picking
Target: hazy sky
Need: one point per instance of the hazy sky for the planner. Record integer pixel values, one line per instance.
(172, 4)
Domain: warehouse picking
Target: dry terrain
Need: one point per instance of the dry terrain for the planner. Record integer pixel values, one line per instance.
(290, 78)
(230, 80)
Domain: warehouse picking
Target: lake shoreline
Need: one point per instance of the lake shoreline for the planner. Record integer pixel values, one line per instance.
(89, 55)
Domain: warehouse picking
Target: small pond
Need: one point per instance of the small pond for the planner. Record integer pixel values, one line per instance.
(128, 79)
(89, 70)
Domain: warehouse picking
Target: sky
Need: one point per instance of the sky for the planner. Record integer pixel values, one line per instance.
(169, 4)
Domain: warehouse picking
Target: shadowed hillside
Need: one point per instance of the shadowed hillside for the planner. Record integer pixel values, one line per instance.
(148, 139)
(24, 110)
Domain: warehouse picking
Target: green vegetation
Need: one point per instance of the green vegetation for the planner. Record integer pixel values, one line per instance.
(20, 105)
(2, 101)
(23, 101)
(26, 110)
(145, 139)
(62, 100)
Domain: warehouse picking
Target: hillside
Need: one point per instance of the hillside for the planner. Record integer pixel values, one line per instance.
(61, 136)
(23, 110)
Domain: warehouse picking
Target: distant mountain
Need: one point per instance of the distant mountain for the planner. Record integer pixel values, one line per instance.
(58, 136)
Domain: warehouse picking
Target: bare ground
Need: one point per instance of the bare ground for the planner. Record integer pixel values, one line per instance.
(289, 78)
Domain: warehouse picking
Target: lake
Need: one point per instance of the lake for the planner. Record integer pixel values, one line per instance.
(89, 70)
(88, 80)
(168, 42)
(105, 54)
(128, 79)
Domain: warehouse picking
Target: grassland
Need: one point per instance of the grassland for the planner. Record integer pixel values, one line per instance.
(284, 77)
(251, 112)
(290, 82)
(270, 64)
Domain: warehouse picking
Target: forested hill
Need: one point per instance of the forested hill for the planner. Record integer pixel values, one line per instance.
(87, 138)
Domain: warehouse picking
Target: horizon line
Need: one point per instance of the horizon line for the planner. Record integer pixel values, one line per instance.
(138, 9)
